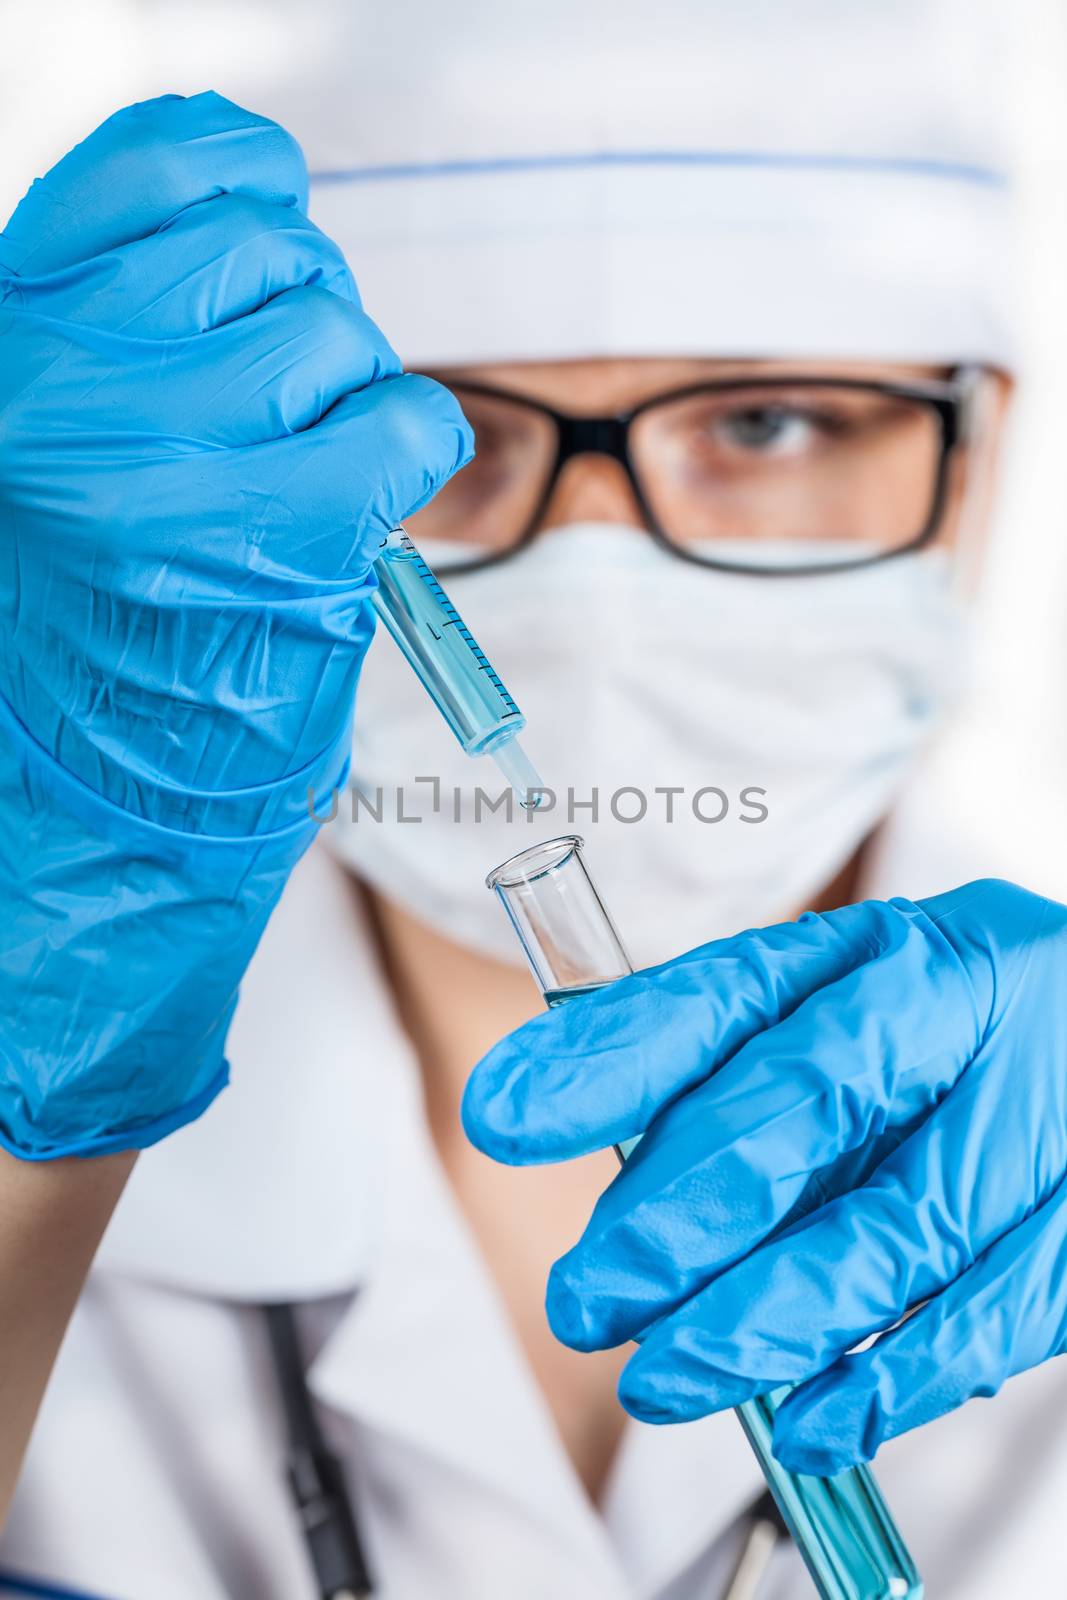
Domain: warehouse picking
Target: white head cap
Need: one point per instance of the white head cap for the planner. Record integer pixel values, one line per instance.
(783, 177)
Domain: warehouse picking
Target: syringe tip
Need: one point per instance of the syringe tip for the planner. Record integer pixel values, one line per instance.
(520, 773)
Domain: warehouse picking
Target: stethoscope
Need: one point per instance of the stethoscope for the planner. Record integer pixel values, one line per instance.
(326, 1514)
(320, 1495)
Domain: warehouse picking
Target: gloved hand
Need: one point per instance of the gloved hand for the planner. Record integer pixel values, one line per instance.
(847, 1116)
(203, 443)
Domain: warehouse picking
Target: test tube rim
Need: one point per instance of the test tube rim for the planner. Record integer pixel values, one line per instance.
(535, 861)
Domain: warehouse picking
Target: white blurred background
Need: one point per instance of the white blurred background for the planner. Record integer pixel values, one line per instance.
(994, 799)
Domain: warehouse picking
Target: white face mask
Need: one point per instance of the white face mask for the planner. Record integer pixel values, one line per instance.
(637, 671)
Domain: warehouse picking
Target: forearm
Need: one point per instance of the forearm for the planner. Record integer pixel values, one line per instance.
(52, 1217)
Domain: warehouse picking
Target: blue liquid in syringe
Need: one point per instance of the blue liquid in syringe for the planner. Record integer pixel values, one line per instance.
(450, 664)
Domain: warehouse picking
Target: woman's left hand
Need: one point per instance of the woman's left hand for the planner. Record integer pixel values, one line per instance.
(845, 1118)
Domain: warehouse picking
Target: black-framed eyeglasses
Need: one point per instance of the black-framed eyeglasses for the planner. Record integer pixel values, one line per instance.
(776, 475)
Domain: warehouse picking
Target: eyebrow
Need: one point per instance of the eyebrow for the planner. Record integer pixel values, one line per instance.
(645, 384)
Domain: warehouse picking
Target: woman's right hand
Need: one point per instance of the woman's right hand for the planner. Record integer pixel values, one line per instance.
(856, 1125)
(203, 442)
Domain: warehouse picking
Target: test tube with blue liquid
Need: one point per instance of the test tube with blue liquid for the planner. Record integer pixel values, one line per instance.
(841, 1525)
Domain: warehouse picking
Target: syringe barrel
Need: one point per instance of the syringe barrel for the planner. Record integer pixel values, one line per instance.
(841, 1525)
(441, 649)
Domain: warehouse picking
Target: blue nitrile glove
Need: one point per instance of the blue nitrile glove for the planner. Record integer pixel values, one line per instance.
(203, 442)
(847, 1116)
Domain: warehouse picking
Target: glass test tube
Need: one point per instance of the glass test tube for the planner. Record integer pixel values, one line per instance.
(841, 1525)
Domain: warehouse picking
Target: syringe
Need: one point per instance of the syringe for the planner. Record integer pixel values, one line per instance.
(451, 666)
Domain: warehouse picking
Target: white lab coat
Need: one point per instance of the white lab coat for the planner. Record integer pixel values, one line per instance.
(156, 1470)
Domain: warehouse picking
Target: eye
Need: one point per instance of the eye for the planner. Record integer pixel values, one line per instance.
(776, 430)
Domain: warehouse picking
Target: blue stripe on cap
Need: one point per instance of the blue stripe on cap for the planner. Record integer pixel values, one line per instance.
(903, 166)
